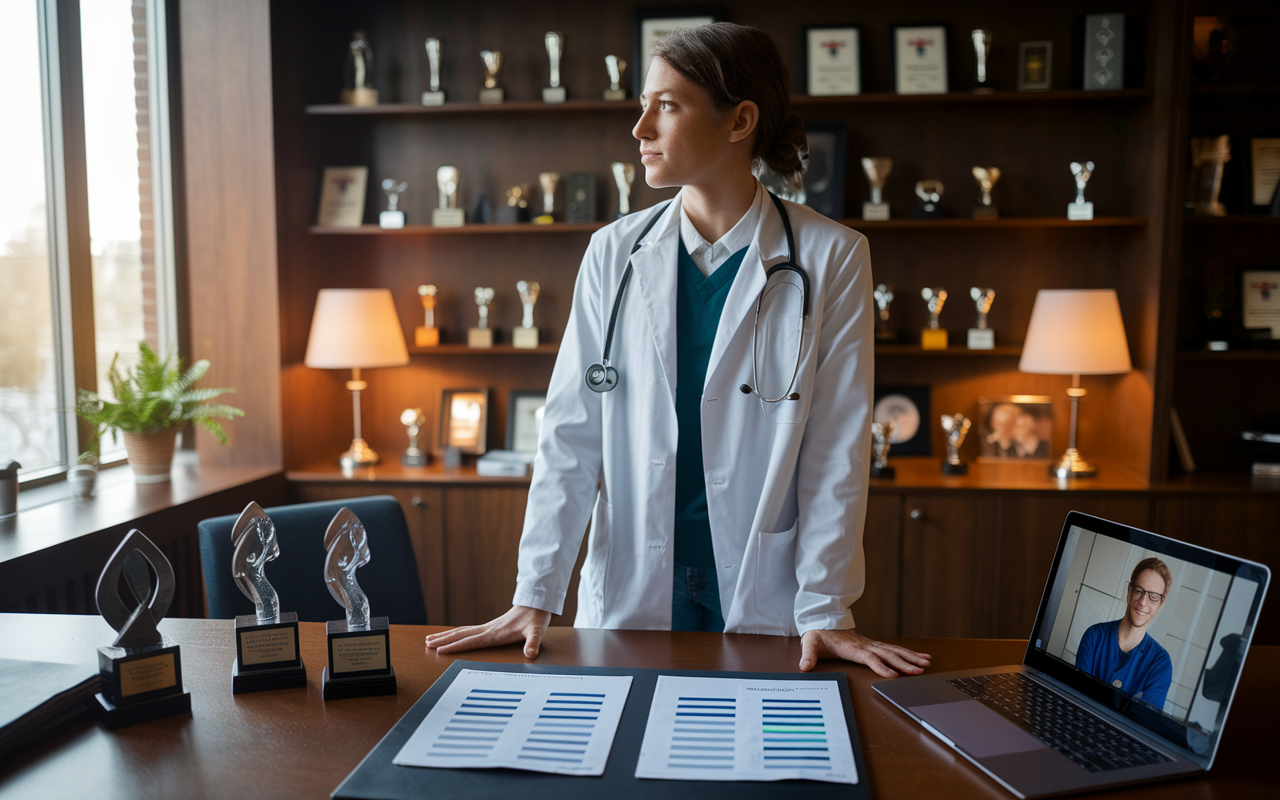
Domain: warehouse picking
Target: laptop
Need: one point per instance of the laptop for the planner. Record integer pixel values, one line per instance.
(1129, 673)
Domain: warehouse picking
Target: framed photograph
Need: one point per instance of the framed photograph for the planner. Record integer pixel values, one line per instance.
(907, 407)
(342, 197)
(824, 180)
(1016, 427)
(653, 25)
(1104, 52)
(464, 419)
(920, 59)
(1260, 302)
(1035, 66)
(1264, 158)
(833, 60)
(524, 420)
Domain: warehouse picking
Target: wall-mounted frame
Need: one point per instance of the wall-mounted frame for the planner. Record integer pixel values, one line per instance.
(833, 60)
(464, 420)
(824, 181)
(1264, 171)
(920, 59)
(524, 419)
(907, 407)
(1260, 305)
(653, 24)
(1035, 66)
(1016, 427)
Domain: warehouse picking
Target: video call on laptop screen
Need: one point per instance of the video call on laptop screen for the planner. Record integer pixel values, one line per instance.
(1155, 636)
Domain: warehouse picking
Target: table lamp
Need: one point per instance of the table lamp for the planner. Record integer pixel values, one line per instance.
(1075, 332)
(356, 329)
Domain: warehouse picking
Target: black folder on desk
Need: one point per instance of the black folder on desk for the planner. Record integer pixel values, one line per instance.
(376, 778)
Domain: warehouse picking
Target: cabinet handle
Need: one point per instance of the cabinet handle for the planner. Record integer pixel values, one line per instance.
(915, 513)
(418, 502)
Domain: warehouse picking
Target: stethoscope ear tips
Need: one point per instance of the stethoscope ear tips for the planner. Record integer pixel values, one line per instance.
(601, 378)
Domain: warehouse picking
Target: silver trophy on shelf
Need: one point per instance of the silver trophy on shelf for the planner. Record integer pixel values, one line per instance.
(448, 215)
(881, 438)
(1209, 155)
(981, 337)
(482, 335)
(956, 427)
(393, 217)
(526, 336)
(623, 175)
(360, 645)
(435, 95)
(413, 420)
(492, 92)
(884, 296)
(267, 653)
(548, 181)
(359, 90)
(615, 67)
(877, 171)
(555, 93)
(982, 52)
(986, 178)
(1080, 210)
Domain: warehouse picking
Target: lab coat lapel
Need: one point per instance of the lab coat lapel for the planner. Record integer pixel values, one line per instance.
(655, 274)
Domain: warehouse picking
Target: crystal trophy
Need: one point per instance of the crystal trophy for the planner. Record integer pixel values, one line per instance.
(359, 646)
(982, 51)
(1209, 154)
(881, 437)
(492, 92)
(934, 337)
(526, 336)
(393, 217)
(548, 181)
(267, 653)
(930, 194)
(982, 337)
(555, 93)
(141, 672)
(986, 178)
(1080, 210)
(884, 296)
(435, 96)
(615, 67)
(413, 419)
(623, 175)
(358, 70)
(482, 334)
(427, 334)
(877, 170)
(448, 215)
(956, 426)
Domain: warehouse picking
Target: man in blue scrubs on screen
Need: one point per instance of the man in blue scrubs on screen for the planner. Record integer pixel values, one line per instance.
(1120, 652)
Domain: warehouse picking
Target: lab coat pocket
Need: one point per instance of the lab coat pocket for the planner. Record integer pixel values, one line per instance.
(776, 583)
(777, 353)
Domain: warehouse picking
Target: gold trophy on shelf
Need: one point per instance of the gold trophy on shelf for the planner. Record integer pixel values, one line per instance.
(427, 334)
(492, 92)
(615, 67)
(526, 336)
(548, 181)
(934, 337)
(481, 335)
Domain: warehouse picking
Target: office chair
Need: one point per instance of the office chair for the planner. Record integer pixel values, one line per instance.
(390, 579)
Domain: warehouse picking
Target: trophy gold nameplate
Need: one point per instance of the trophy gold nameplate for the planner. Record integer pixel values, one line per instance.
(434, 96)
(877, 170)
(526, 336)
(555, 93)
(492, 93)
(615, 67)
(982, 337)
(360, 645)
(141, 672)
(267, 653)
(881, 437)
(448, 215)
(481, 336)
(956, 426)
(1080, 210)
(427, 334)
(934, 337)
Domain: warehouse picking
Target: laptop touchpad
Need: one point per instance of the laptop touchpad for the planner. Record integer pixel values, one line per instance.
(976, 729)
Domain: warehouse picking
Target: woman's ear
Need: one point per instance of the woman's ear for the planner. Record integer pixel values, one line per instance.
(745, 119)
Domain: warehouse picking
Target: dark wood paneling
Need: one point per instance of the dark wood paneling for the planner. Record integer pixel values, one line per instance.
(949, 565)
(482, 539)
(877, 612)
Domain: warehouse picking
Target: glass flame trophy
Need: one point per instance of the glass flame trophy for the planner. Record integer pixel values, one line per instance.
(359, 646)
(526, 336)
(141, 671)
(481, 335)
(267, 654)
(934, 337)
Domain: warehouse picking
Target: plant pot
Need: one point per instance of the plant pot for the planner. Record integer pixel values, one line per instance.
(150, 454)
(82, 478)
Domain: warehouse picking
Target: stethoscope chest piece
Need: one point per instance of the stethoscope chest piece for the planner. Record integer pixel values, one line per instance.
(601, 378)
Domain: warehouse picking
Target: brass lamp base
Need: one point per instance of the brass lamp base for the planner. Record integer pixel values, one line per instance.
(1071, 465)
(359, 455)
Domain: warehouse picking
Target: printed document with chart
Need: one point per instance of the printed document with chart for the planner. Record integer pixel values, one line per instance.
(758, 730)
(534, 721)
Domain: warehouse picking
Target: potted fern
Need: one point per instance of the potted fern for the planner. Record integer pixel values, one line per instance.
(152, 402)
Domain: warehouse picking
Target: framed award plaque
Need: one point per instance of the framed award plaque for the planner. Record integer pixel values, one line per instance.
(1260, 302)
(524, 420)
(464, 419)
(920, 59)
(1264, 159)
(650, 26)
(342, 195)
(833, 60)
(1035, 62)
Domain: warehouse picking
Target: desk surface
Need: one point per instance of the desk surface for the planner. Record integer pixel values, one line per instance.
(291, 743)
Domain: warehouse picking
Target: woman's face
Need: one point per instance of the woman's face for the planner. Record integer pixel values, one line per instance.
(682, 141)
(1142, 609)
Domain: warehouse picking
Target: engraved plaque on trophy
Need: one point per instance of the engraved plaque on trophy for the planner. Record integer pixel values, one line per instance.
(580, 198)
(623, 176)
(267, 653)
(982, 83)
(930, 195)
(615, 67)
(359, 646)
(393, 217)
(1080, 210)
(435, 96)
(986, 178)
(956, 426)
(492, 92)
(555, 93)
(934, 337)
(881, 436)
(413, 420)
(1209, 154)
(482, 334)
(141, 672)
(548, 181)
(526, 336)
(1104, 51)
(877, 170)
(982, 337)
(358, 89)
(427, 334)
(448, 215)
(884, 296)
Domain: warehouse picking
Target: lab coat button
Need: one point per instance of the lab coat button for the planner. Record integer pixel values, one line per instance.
(728, 566)
(717, 484)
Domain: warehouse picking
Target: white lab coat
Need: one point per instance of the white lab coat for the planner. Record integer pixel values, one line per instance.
(786, 482)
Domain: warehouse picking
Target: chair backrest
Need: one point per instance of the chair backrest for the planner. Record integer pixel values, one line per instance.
(390, 579)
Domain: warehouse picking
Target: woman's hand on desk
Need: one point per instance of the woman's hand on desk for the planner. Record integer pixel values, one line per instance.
(886, 660)
(521, 622)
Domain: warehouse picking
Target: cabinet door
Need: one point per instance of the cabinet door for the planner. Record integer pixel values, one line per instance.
(1030, 525)
(949, 566)
(876, 613)
(482, 537)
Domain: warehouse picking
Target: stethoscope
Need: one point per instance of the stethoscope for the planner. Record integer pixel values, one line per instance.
(603, 377)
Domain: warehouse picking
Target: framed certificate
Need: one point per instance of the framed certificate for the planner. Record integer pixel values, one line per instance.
(524, 420)
(1265, 157)
(1260, 300)
(650, 26)
(342, 197)
(833, 60)
(1035, 66)
(464, 420)
(920, 59)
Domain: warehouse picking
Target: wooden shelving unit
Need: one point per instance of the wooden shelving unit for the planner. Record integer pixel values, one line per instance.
(431, 230)
(496, 350)
(954, 351)
(858, 224)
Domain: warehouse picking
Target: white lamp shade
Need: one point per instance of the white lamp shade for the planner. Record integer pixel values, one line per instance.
(355, 328)
(1076, 332)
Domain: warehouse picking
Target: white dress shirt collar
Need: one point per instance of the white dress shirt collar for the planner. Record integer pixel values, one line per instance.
(709, 256)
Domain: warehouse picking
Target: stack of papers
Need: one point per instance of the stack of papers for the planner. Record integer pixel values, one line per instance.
(36, 697)
(504, 464)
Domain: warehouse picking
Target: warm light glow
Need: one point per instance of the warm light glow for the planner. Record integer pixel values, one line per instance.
(1076, 332)
(355, 328)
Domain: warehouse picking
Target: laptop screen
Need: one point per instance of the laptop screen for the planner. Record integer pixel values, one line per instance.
(1154, 628)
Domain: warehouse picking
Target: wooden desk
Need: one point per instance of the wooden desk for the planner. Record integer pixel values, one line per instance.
(291, 743)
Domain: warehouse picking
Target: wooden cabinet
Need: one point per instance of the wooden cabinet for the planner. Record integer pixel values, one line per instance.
(876, 613)
(949, 555)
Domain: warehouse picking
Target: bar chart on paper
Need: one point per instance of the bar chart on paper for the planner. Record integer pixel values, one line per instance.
(534, 721)
(733, 729)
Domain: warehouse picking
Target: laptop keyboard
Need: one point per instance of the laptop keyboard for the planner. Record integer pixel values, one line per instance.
(1082, 737)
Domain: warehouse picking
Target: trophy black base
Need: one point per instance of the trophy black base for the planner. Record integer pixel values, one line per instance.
(359, 661)
(927, 211)
(267, 655)
(883, 472)
(954, 469)
(986, 212)
(266, 680)
(346, 688)
(114, 716)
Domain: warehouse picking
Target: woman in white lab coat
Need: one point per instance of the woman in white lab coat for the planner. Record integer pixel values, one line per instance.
(725, 475)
